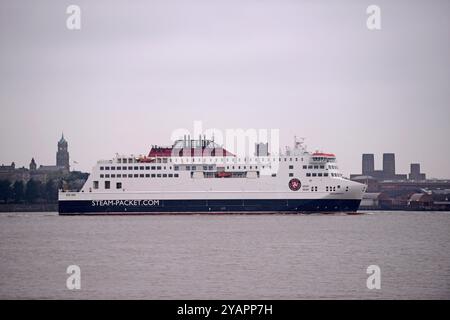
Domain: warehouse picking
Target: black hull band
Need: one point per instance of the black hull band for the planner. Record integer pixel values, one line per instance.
(75, 207)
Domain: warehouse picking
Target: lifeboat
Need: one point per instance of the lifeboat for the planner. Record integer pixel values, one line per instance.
(223, 174)
(145, 160)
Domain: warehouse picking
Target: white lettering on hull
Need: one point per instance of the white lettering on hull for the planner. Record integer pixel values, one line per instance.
(125, 203)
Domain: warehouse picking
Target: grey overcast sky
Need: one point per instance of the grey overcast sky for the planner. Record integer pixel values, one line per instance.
(137, 70)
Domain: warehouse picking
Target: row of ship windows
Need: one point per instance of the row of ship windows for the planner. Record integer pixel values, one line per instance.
(239, 167)
(107, 185)
(134, 168)
(203, 159)
(314, 174)
(325, 174)
(330, 188)
(188, 168)
(310, 167)
(333, 188)
(153, 175)
(176, 168)
(330, 166)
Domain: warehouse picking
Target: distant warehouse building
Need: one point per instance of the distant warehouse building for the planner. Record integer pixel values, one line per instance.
(375, 200)
(420, 201)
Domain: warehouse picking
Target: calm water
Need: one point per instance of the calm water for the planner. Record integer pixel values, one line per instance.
(223, 257)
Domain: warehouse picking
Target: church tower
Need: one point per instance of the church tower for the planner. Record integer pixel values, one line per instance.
(33, 165)
(62, 156)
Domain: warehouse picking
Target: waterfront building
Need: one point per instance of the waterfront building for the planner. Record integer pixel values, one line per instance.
(42, 173)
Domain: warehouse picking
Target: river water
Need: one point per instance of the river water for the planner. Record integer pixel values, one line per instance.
(226, 256)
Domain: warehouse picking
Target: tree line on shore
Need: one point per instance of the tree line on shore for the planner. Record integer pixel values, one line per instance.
(30, 192)
(34, 191)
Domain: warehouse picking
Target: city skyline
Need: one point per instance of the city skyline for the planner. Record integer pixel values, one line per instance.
(121, 84)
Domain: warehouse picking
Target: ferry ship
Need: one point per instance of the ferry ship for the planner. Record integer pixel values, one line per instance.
(200, 176)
